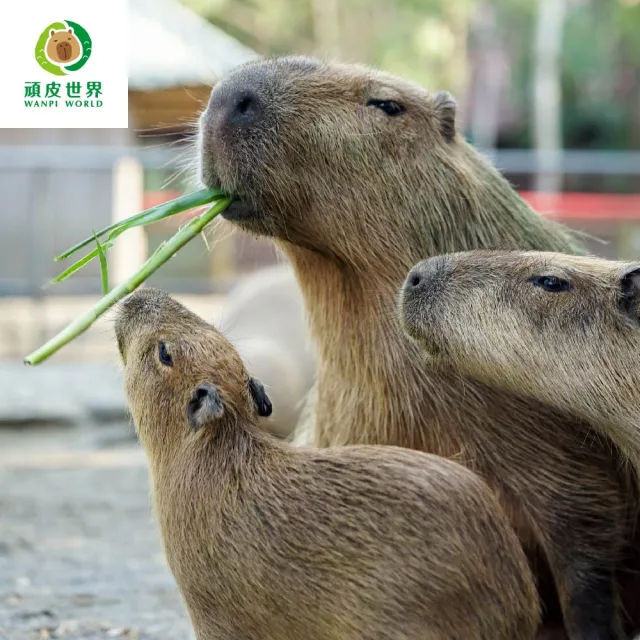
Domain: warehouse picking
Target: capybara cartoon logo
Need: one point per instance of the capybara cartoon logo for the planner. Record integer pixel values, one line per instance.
(63, 47)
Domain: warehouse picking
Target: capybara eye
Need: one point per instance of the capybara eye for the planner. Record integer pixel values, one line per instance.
(390, 107)
(551, 283)
(164, 355)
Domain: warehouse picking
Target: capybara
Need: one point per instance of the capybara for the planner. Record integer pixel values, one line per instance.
(63, 47)
(359, 175)
(267, 541)
(264, 319)
(563, 329)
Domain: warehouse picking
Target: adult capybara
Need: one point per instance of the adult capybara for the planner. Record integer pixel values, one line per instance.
(562, 329)
(358, 175)
(264, 320)
(270, 542)
(63, 46)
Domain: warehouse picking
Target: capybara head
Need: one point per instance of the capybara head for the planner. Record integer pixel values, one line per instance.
(180, 372)
(322, 155)
(502, 317)
(63, 47)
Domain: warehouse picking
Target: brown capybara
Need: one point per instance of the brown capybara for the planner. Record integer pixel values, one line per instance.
(63, 47)
(270, 542)
(358, 175)
(565, 330)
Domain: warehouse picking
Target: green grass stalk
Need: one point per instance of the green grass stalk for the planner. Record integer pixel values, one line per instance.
(104, 267)
(164, 210)
(157, 259)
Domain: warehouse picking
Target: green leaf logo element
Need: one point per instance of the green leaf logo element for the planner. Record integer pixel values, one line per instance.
(85, 41)
(41, 57)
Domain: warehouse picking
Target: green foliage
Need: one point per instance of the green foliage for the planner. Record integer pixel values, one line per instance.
(428, 41)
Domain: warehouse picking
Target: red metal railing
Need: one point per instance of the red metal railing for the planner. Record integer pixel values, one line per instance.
(564, 206)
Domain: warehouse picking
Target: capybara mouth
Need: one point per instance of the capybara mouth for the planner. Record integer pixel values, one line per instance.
(409, 315)
(240, 211)
(413, 317)
(428, 346)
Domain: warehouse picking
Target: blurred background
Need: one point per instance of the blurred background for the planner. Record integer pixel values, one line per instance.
(548, 89)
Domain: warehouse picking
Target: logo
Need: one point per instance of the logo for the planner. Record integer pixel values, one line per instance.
(63, 47)
(62, 76)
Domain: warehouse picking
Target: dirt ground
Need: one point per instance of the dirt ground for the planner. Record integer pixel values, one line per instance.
(80, 556)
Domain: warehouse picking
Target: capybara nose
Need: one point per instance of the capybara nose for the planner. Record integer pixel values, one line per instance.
(424, 275)
(236, 108)
(415, 279)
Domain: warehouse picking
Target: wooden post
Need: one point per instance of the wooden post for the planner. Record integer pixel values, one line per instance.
(222, 257)
(129, 253)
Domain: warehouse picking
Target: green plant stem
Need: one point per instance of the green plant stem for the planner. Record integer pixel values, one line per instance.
(76, 266)
(164, 210)
(104, 267)
(158, 258)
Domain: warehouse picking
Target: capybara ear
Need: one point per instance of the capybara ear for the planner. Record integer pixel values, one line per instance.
(204, 406)
(52, 32)
(260, 398)
(446, 108)
(630, 289)
(69, 30)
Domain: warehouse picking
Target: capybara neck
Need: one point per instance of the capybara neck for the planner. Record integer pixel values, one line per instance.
(351, 297)
(231, 448)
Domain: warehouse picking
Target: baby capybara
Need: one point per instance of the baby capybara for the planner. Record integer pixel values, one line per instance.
(267, 541)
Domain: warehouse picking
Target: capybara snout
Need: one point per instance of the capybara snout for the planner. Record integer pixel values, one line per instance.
(422, 287)
(239, 106)
(424, 279)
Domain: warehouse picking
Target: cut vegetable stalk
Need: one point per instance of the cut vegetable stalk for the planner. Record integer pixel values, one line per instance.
(104, 269)
(164, 210)
(69, 271)
(157, 259)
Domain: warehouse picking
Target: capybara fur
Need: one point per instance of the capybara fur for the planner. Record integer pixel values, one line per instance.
(264, 319)
(358, 175)
(63, 46)
(271, 542)
(563, 329)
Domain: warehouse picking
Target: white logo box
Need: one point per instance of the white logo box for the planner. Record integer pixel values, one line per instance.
(92, 97)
